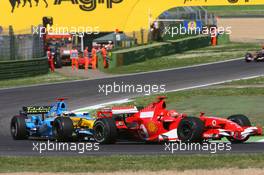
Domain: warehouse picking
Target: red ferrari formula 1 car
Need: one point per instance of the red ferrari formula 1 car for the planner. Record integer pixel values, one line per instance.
(155, 123)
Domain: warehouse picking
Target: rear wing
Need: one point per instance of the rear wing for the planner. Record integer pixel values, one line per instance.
(36, 109)
(109, 112)
(124, 110)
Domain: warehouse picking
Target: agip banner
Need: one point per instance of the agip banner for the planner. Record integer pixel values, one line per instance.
(105, 15)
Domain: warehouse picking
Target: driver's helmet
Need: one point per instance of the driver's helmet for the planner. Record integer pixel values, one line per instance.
(65, 114)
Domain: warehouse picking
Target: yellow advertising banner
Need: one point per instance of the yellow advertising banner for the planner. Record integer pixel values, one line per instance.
(104, 15)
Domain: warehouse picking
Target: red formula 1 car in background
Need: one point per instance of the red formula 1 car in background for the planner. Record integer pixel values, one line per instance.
(155, 123)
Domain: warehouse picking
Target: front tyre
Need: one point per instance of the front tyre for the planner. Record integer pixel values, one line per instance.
(63, 129)
(243, 121)
(190, 129)
(18, 128)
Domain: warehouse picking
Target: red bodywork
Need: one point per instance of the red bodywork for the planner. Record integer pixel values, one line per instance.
(155, 123)
(63, 42)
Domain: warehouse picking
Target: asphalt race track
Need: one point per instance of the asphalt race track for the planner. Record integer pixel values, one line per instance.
(85, 93)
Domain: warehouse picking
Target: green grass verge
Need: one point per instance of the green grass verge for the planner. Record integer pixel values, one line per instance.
(42, 79)
(193, 57)
(128, 163)
(237, 10)
(253, 81)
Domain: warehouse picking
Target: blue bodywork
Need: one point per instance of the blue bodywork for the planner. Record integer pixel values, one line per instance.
(39, 120)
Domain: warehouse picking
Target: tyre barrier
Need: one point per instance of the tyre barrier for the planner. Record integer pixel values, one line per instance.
(23, 68)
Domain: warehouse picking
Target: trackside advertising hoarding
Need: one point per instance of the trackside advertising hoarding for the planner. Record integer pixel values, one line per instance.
(128, 15)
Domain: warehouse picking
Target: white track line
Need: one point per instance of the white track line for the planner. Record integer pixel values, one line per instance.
(102, 105)
(216, 83)
(262, 141)
(124, 75)
(94, 107)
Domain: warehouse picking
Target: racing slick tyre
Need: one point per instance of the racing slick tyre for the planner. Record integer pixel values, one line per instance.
(58, 61)
(62, 129)
(105, 131)
(18, 128)
(241, 120)
(190, 129)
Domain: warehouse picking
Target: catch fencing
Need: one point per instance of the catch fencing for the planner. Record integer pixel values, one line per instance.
(22, 45)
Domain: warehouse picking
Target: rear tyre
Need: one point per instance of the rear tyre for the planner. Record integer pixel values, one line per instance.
(190, 129)
(241, 120)
(18, 128)
(105, 131)
(63, 129)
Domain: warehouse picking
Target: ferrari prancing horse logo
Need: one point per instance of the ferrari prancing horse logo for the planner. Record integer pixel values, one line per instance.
(152, 127)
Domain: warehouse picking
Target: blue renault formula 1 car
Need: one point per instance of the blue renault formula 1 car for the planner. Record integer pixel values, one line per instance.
(52, 122)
